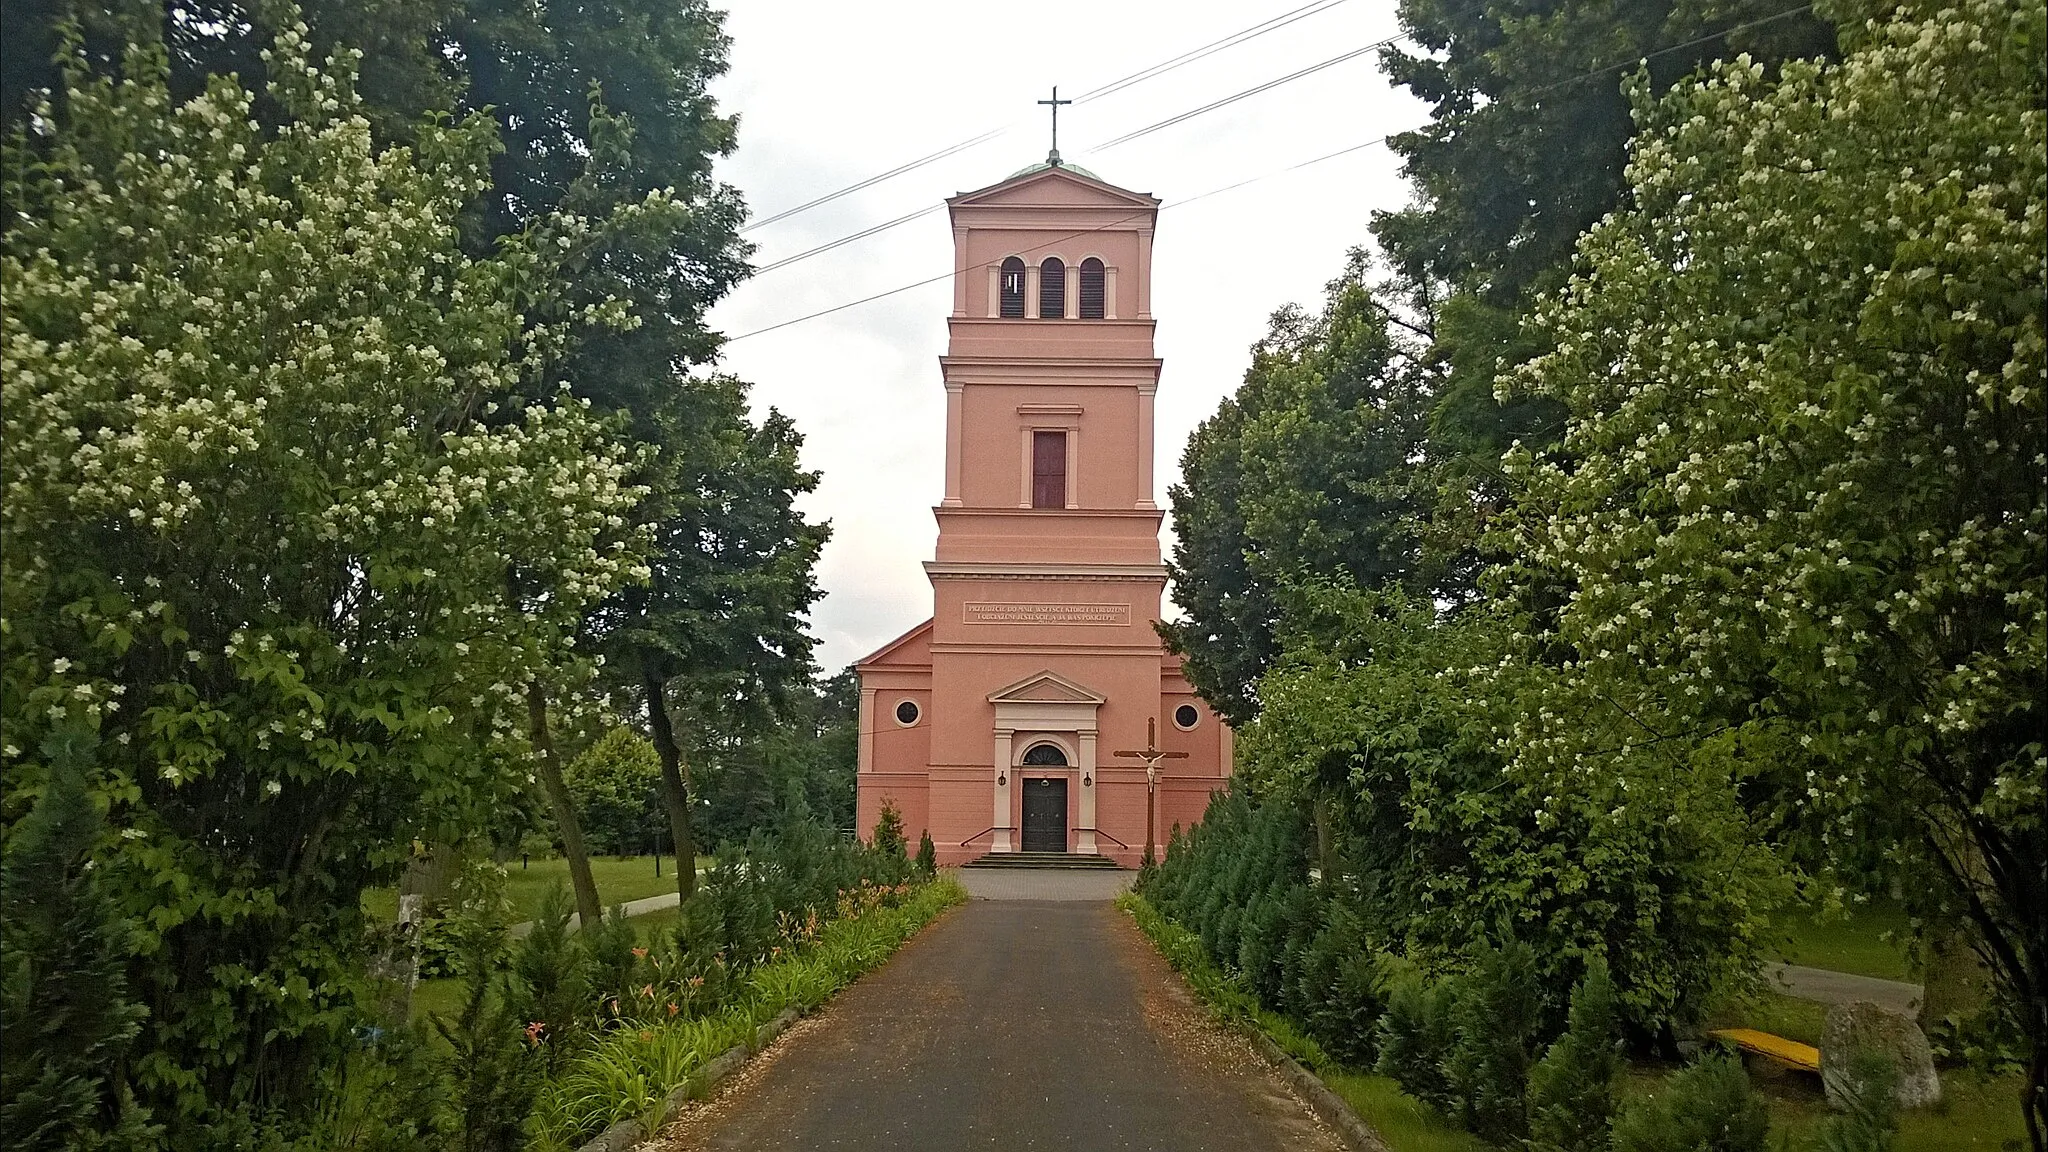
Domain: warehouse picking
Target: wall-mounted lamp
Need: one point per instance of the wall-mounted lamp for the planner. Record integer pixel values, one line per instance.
(1002, 778)
(1086, 780)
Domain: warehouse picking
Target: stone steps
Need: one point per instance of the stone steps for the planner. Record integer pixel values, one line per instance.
(1066, 860)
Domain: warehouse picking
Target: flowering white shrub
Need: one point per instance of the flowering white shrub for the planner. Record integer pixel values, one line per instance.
(278, 524)
(1800, 508)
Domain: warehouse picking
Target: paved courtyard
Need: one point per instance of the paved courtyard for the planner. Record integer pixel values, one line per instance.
(1036, 1021)
(1045, 883)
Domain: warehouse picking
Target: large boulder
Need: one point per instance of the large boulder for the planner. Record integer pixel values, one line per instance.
(1863, 1026)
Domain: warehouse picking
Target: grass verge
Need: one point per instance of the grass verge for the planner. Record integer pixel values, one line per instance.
(1404, 1123)
(629, 1075)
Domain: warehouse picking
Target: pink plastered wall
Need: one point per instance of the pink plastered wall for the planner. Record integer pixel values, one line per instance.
(1043, 624)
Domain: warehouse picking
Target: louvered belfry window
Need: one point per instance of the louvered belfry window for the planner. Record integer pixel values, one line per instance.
(1012, 287)
(1052, 289)
(1091, 289)
(1048, 469)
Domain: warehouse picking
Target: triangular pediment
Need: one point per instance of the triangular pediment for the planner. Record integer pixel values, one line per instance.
(1048, 187)
(1046, 687)
(913, 648)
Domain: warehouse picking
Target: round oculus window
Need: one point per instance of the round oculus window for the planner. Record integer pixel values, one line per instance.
(907, 713)
(1186, 717)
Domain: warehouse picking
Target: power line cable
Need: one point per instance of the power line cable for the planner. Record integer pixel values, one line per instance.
(1149, 129)
(1058, 240)
(871, 181)
(863, 234)
(1241, 36)
(1170, 121)
(1213, 105)
(1214, 46)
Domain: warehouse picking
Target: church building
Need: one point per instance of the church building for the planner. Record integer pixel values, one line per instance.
(1018, 718)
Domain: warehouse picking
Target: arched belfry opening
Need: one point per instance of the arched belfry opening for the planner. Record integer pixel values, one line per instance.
(1092, 284)
(1052, 289)
(1013, 288)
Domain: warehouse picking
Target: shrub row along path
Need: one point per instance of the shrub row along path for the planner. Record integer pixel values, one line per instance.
(1038, 1019)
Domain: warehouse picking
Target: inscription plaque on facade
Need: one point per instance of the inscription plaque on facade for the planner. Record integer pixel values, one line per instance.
(1104, 614)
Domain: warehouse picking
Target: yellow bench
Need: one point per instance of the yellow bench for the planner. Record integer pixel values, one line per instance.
(1790, 1053)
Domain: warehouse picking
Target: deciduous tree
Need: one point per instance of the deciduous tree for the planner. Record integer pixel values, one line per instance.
(277, 449)
(1799, 506)
(1311, 468)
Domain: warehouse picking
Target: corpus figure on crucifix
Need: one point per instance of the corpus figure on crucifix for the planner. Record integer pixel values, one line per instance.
(1151, 755)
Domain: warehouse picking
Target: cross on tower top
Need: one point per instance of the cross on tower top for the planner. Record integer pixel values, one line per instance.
(1053, 157)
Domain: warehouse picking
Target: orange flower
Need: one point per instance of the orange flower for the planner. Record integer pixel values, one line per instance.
(639, 953)
(533, 1033)
(672, 1009)
(648, 991)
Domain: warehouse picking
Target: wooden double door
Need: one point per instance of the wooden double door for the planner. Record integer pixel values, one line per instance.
(1045, 815)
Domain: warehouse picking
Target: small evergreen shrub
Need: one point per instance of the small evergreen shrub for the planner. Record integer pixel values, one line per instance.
(889, 839)
(1707, 1107)
(1495, 1018)
(67, 1014)
(549, 981)
(1571, 1090)
(493, 1070)
(927, 854)
(1870, 1115)
(605, 950)
(1417, 1033)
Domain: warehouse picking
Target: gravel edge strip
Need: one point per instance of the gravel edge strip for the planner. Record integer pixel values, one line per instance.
(1327, 1105)
(627, 1134)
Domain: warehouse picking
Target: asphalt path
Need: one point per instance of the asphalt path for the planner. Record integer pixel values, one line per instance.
(1012, 1024)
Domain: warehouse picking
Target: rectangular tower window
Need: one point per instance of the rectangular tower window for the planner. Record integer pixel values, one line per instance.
(1049, 470)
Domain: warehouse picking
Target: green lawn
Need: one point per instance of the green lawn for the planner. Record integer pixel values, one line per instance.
(619, 879)
(1976, 1113)
(1858, 943)
(1405, 1123)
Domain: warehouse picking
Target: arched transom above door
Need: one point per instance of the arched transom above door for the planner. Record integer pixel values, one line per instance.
(1046, 754)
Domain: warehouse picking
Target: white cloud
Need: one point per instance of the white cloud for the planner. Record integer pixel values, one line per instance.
(829, 94)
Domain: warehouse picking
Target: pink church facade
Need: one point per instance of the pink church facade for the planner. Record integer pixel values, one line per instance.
(993, 725)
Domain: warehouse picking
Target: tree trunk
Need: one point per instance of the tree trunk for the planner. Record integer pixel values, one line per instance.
(1326, 838)
(1955, 981)
(675, 788)
(589, 909)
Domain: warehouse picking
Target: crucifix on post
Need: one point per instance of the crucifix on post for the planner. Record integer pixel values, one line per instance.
(1151, 755)
(1053, 157)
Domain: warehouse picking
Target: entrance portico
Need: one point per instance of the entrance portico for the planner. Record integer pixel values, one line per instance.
(981, 725)
(1045, 710)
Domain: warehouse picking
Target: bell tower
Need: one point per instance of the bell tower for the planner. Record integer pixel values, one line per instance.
(1050, 373)
(1047, 579)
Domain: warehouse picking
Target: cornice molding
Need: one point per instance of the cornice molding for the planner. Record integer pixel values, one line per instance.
(957, 570)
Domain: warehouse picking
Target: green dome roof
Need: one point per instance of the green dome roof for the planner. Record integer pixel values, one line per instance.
(1042, 165)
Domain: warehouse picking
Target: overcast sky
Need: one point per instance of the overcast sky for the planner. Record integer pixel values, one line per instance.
(829, 94)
